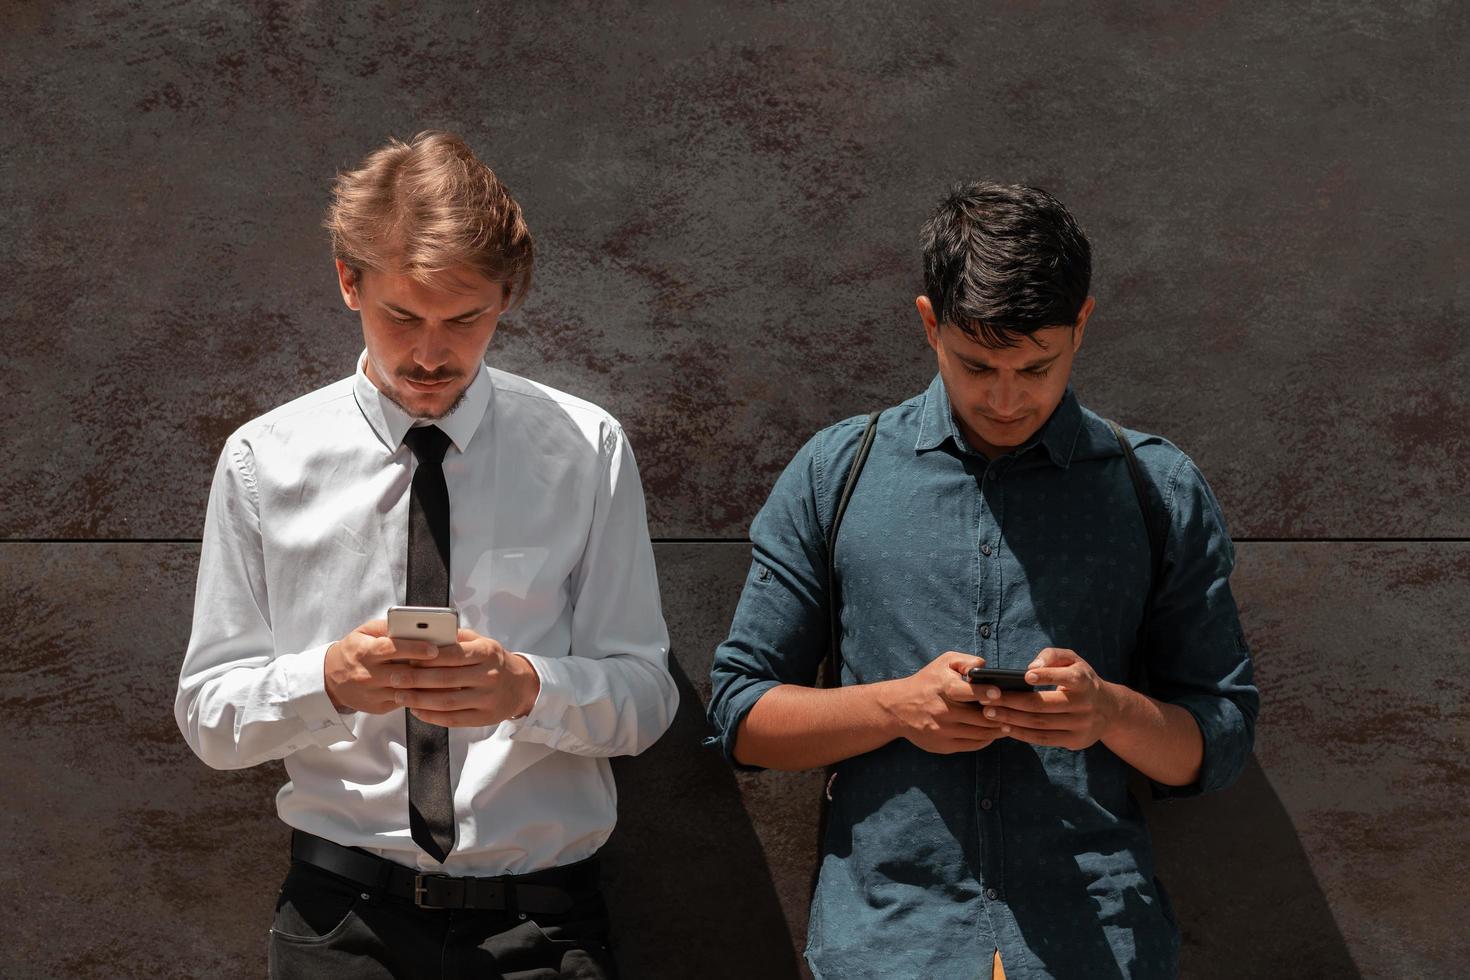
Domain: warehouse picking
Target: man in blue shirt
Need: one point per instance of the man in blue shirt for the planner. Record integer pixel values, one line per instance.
(994, 523)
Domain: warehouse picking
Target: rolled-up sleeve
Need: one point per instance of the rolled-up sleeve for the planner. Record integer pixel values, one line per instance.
(779, 633)
(1197, 654)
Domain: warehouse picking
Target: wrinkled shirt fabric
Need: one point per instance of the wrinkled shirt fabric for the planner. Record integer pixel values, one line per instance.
(930, 862)
(306, 538)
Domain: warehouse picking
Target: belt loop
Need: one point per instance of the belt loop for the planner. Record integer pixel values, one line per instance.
(512, 904)
(385, 878)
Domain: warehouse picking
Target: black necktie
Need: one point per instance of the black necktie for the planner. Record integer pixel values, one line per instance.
(430, 805)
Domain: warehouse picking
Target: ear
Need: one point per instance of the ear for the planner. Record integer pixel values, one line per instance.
(931, 322)
(1081, 326)
(348, 280)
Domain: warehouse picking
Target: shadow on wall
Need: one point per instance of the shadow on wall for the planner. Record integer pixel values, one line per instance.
(179, 864)
(1245, 895)
(686, 879)
(693, 894)
(704, 861)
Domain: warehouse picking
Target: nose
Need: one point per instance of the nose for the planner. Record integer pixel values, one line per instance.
(431, 349)
(1005, 397)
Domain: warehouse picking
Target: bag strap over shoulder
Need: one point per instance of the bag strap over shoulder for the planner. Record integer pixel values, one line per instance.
(829, 674)
(1155, 547)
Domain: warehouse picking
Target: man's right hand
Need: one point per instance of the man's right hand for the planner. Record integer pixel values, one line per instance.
(358, 667)
(936, 708)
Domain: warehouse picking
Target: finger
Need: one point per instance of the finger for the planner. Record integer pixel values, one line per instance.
(439, 678)
(456, 719)
(1040, 702)
(1054, 657)
(961, 662)
(450, 655)
(416, 700)
(960, 691)
(1031, 721)
(461, 655)
(1053, 676)
(979, 728)
(374, 651)
(387, 648)
(970, 720)
(970, 712)
(469, 638)
(374, 627)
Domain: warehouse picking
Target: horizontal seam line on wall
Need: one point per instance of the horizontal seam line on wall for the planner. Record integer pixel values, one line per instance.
(1240, 540)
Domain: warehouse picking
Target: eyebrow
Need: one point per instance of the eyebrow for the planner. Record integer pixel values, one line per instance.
(412, 315)
(1040, 362)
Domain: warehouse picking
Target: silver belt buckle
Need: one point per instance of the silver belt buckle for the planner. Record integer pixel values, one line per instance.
(420, 889)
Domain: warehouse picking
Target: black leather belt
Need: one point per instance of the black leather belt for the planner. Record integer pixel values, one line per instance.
(549, 892)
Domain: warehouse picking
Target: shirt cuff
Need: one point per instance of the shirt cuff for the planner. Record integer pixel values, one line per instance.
(731, 714)
(543, 723)
(307, 698)
(1222, 730)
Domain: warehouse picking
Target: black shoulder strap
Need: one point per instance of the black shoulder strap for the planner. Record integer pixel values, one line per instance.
(1155, 547)
(829, 675)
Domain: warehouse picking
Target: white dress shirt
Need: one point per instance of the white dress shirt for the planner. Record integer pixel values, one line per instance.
(306, 538)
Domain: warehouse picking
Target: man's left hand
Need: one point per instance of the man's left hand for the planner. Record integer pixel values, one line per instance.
(473, 682)
(1074, 716)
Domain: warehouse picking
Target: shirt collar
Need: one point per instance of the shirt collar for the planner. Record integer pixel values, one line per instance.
(1057, 437)
(391, 423)
(936, 420)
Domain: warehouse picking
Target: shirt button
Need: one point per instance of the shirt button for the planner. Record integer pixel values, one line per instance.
(985, 550)
(985, 629)
(992, 894)
(985, 804)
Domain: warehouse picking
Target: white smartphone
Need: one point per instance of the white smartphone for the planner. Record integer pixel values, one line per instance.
(437, 624)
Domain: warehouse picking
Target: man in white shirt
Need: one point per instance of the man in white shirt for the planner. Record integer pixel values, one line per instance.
(526, 510)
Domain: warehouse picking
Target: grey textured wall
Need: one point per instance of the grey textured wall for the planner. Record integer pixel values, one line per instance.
(726, 200)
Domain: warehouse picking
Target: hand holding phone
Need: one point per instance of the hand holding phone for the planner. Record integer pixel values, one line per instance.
(356, 670)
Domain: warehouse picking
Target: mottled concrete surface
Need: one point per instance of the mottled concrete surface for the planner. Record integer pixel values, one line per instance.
(1341, 852)
(726, 200)
(726, 203)
(160, 866)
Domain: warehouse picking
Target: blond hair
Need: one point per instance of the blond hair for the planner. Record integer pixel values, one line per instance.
(427, 206)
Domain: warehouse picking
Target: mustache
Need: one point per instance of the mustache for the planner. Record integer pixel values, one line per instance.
(427, 379)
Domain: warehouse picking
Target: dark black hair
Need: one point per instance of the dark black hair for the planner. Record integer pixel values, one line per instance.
(1002, 261)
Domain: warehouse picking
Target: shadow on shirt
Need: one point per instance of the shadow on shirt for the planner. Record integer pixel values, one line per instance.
(1060, 900)
(1245, 897)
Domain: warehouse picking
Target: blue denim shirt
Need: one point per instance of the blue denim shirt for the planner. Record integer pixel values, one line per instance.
(931, 862)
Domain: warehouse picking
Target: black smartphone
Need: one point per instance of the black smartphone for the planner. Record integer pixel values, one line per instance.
(1006, 680)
